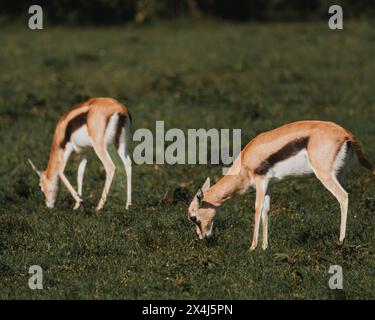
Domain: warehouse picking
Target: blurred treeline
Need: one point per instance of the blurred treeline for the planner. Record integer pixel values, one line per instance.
(120, 11)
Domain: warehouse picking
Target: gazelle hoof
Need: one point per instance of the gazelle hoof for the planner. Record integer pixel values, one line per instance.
(264, 246)
(252, 248)
(128, 205)
(78, 203)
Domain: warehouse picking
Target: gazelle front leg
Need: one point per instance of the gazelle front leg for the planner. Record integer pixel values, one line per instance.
(266, 209)
(64, 179)
(81, 171)
(261, 189)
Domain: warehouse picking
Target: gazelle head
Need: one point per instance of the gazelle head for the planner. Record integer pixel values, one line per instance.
(202, 213)
(49, 186)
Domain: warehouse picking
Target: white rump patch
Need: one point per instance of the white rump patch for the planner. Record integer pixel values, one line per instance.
(342, 158)
(111, 129)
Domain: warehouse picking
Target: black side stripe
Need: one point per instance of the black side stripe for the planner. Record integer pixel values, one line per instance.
(289, 150)
(73, 125)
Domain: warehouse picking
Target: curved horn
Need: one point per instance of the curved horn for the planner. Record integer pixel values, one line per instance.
(38, 172)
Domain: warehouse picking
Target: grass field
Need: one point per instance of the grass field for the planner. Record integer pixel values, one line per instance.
(209, 75)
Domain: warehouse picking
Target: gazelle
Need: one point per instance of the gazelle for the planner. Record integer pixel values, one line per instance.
(296, 149)
(94, 123)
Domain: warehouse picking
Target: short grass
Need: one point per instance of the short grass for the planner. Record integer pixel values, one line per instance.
(191, 75)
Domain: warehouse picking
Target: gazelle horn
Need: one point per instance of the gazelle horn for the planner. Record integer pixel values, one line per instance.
(39, 173)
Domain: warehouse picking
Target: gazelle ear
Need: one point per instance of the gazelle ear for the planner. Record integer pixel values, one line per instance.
(38, 172)
(199, 197)
(206, 185)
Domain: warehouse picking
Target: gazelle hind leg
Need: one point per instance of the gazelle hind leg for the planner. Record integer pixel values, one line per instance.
(109, 167)
(123, 153)
(265, 210)
(331, 171)
(344, 204)
(331, 183)
(80, 173)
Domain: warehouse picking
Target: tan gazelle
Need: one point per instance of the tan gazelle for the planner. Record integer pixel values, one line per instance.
(296, 149)
(94, 123)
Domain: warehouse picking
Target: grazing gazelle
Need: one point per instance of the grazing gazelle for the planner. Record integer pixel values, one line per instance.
(295, 149)
(94, 123)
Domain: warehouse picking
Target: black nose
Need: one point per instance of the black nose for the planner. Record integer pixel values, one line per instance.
(193, 219)
(209, 239)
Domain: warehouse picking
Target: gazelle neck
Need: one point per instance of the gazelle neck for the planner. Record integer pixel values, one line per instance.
(226, 188)
(54, 162)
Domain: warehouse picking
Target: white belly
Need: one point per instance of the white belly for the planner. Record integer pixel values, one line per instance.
(80, 140)
(297, 165)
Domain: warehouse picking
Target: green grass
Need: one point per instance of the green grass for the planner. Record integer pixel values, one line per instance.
(211, 75)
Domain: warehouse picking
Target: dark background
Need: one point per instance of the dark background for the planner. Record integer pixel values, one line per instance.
(103, 12)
